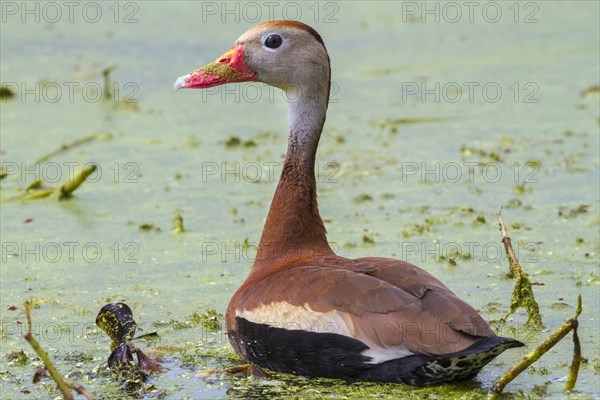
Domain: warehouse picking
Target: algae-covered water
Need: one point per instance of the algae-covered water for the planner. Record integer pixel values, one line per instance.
(441, 112)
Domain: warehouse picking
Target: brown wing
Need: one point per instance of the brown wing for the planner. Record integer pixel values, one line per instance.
(435, 297)
(394, 307)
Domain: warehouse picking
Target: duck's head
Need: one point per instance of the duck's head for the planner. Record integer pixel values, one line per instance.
(286, 54)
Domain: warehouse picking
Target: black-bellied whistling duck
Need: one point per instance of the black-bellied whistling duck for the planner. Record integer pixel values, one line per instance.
(305, 310)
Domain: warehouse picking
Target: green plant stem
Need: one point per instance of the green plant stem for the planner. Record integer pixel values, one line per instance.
(68, 188)
(178, 223)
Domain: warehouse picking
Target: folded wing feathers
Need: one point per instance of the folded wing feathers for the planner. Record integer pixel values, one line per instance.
(394, 298)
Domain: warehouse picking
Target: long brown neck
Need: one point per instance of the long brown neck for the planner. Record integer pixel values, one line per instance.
(294, 229)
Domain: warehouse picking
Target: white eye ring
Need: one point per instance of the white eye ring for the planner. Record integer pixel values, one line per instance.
(272, 41)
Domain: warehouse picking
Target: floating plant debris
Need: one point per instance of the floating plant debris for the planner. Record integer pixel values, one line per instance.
(392, 124)
(17, 358)
(368, 240)
(567, 212)
(6, 92)
(523, 292)
(210, 320)
(147, 227)
(361, 198)
(487, 156)
(116, 320)
(592, 89)
(108, 94)
(178, 223)
(233, 141)
(36, 190)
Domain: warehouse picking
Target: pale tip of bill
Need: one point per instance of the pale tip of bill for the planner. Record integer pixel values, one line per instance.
(180, 82)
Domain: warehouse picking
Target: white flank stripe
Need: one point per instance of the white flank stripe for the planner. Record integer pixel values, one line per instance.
(286, 316)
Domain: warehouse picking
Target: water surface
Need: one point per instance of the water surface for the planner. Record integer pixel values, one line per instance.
(433, 125)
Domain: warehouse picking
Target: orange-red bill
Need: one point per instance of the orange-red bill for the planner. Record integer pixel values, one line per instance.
(230, 67)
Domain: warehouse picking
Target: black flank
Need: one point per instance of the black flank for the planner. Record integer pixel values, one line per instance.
(337, 356)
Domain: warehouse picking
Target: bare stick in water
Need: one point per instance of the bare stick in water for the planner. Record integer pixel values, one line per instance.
(54, 374)
(576, 362)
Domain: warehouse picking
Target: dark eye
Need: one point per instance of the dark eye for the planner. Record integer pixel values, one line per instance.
(273, 41)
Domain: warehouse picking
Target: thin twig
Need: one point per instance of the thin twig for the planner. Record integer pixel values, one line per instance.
(79, 388)
(108, 95)
(523, 292)
(56, 377)
(512, 258)
(67, 146)
(536, 353)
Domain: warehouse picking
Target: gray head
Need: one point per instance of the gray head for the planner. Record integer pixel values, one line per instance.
(286, 54)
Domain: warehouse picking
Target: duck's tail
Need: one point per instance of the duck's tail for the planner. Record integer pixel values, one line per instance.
(422, 370)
